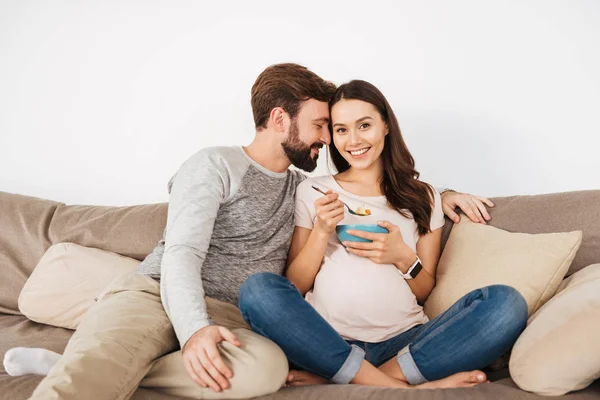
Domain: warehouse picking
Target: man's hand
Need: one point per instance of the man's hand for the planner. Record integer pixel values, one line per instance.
(202, 359)
(471, 205)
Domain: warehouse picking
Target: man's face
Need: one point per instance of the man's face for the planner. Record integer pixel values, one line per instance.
(308, 132)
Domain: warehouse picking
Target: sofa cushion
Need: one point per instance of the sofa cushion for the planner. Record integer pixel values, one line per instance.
(24, 223)
(559, 350)
(29, 226)
(130, 231)
(477, 255)
(547, 213)
(66, 282)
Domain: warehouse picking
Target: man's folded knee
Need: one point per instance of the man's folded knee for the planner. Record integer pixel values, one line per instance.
(264, 370)
(259, 367)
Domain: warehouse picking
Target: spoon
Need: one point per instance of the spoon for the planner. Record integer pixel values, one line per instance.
(349, 209)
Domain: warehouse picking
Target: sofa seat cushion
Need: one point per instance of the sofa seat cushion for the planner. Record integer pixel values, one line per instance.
(18, 331)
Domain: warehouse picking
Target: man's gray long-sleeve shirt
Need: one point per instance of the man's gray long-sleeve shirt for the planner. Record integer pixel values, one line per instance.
(228, 218)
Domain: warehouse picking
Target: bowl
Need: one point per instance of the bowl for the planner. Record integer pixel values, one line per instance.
(343, 235)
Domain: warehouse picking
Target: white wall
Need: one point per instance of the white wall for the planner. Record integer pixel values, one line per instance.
(101, 101)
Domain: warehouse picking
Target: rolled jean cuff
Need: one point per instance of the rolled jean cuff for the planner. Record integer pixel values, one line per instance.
(409, 367)
(350, 367)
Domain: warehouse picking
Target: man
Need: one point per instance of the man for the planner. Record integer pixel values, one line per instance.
(230, 215)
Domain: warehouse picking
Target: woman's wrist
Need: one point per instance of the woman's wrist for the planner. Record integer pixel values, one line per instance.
(406, 262)
(321, 233)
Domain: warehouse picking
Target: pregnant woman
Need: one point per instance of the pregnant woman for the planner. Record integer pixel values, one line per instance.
(351, 312)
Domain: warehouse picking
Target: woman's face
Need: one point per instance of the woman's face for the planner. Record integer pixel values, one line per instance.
(358, 132)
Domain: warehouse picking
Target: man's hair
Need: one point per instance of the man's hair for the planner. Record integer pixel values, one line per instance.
(286, 86)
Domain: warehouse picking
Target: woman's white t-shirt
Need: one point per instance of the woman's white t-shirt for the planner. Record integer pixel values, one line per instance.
(362, 300)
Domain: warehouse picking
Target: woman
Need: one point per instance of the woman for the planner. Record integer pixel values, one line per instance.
(350, 312)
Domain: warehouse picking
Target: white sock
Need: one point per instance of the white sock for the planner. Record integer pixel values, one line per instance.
(20, 361)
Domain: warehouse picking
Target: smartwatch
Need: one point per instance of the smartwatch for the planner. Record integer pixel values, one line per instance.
(413, 271)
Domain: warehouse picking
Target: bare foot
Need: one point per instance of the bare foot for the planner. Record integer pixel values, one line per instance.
(461, 379)
(303, 378)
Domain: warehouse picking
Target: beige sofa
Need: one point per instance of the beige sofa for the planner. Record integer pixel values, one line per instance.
(29, 226)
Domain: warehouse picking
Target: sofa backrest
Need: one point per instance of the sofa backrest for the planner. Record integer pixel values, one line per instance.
(548, 213)
(29, 226)
(24, 225)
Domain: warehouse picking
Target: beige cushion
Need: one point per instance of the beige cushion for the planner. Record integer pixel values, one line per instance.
(559, 351)
(478, 255)
(66, 282)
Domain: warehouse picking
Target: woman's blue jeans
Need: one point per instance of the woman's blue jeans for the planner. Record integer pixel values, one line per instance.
(474, 332)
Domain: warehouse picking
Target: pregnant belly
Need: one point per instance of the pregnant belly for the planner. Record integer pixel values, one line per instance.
(363, 295)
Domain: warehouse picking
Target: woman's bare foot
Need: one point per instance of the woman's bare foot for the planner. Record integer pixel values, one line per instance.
(371, 376)
(303, 378)
(461, 379)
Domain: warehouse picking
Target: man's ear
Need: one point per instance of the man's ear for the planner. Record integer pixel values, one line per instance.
(278, 118)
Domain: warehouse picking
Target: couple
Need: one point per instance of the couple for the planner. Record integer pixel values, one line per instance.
(344, 312)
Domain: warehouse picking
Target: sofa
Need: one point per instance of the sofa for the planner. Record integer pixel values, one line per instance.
(29, 226)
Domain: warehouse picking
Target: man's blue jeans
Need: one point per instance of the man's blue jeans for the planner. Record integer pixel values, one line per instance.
(473, 333)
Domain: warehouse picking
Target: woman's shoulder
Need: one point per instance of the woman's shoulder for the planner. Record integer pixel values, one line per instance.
(434, 191)
(437, 215)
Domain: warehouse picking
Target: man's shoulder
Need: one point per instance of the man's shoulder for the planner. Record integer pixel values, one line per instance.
(221, 162)
(218, 155)
(297, 176)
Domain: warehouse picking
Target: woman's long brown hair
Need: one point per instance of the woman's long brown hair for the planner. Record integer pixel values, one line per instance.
(400, 181)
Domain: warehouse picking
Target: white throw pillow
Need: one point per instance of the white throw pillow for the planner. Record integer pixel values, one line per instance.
(559, 351)
(66, 282)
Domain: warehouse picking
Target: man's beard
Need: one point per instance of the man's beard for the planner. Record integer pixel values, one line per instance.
(299, 152)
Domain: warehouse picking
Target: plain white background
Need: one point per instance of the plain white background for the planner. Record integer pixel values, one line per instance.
(101, 101)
